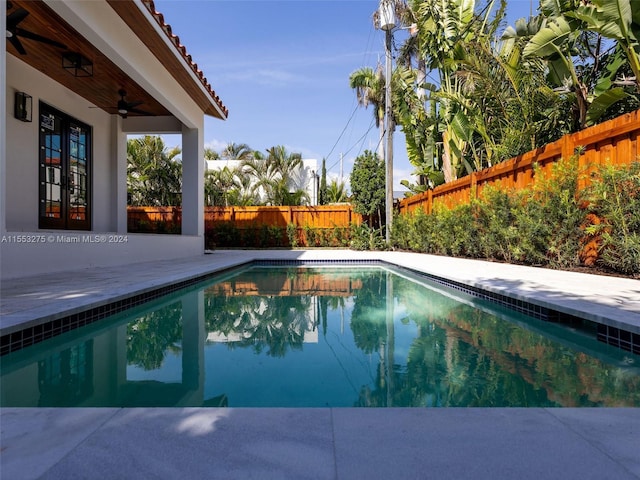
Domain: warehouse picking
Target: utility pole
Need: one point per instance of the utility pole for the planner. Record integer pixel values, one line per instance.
(388, 23)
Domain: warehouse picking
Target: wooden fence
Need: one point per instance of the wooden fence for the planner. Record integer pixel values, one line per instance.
(326, 216)
(240, 225)
(614, 142)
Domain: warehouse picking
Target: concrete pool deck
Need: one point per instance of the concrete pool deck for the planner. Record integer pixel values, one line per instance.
(319, 443)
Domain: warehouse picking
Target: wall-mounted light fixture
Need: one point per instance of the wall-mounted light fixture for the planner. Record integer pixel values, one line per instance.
(77, 65)
(23, 107)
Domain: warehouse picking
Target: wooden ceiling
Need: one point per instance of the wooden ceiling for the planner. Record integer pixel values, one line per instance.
(102, 88)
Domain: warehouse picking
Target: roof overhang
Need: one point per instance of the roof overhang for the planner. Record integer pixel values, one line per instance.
(108, 78)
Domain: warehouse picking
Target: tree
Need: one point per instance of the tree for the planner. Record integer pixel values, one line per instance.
(275, 176)
(219, 185)
(154, 173)
(237, 151)
(368, 186)
(211, 154)
(370, 87)
(336, 192)
(322, 194)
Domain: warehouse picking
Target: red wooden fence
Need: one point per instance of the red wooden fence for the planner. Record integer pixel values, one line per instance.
(613, 142)
(321, 217)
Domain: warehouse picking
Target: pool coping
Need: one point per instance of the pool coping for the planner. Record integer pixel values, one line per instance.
(511, 285)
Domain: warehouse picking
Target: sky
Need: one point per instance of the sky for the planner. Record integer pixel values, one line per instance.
(282, 69)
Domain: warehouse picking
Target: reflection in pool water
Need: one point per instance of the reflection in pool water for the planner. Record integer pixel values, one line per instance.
(315, 337)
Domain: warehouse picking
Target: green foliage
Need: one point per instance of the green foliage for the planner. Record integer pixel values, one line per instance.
(309, 235)
(368, 184)
(364, 237)
(574, 64)
(322, 193)
(536, 226)
(229, 235)
(336, 192)
(550, 218)
(615, 199)
(496, 224)
(154, 173)
(152, 335)
(292, 235)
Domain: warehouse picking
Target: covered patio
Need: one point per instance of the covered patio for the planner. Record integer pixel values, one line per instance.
(76, 78)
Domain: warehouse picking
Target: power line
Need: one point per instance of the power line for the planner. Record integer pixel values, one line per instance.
(343, 130)
(363, 138)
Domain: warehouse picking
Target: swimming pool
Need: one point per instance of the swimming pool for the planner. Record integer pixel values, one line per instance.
(316, 337)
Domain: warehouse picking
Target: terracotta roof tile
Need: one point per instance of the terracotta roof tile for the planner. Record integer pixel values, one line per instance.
(175, 40)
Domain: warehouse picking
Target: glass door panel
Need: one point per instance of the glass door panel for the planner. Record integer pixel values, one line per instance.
(64, 171)
(51, 173)
(78, 205)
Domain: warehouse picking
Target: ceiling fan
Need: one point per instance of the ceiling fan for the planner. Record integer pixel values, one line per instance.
(124, 108)
(13, 31)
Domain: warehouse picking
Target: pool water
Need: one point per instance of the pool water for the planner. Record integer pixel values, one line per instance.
(340, 336)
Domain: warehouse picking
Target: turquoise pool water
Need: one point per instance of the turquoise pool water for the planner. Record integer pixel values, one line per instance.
(320, 336)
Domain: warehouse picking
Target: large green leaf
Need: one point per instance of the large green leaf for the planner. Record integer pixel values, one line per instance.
(635, 11)
(616, 10)
(549, 40)
(602, 102)
(559, 72)
(610, 72)
(598, 21)
(461, 127)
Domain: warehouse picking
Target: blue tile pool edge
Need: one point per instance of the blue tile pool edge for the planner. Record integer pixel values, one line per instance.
(49, 327)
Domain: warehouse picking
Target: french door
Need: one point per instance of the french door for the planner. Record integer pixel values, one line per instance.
(65, 171)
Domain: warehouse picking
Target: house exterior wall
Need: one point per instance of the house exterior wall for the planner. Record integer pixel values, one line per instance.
(107, 243)
(22, 148)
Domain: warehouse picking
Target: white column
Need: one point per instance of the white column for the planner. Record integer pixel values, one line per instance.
(193, 180)
(118, 176)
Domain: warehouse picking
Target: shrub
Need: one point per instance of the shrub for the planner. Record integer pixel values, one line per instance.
(292, 235)
(364, 237)
(498, 234)
(614, 198)
(549, 218)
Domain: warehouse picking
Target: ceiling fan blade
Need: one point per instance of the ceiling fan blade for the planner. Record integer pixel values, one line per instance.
(38, 38)
(17, 45)
(131, 105)
(138, 111)
(14, 18)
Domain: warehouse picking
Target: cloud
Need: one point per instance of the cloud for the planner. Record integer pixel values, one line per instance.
(305, 152)
(263, 77)
(215, 144)
(214, 63)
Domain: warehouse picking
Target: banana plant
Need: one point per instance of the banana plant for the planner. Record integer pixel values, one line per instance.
(618, 20)
(563, 23)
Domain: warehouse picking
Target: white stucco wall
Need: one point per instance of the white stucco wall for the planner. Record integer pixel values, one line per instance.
(60, 250)
(22, 148)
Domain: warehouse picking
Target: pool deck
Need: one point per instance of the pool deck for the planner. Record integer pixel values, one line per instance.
(322, 443)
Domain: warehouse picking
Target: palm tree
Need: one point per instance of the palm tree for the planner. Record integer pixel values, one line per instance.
(154, 173)
(275, 176)
(237, 151)
(283, 166)
(337, 192)
(220, 184)
(211, 154)
(369, 85)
